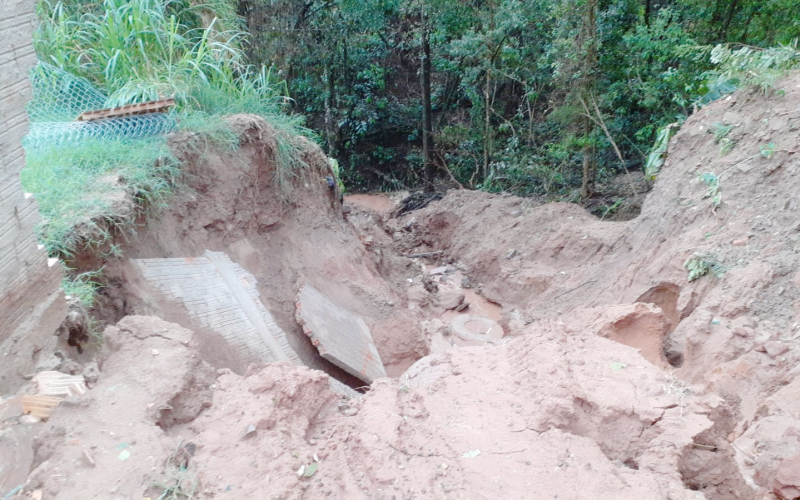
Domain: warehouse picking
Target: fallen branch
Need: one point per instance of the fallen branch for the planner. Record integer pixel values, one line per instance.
(424, 255)
(602, 123)
(573, 289)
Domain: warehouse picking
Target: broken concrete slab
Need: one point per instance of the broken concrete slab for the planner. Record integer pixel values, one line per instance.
(222, 297)
(340, 336)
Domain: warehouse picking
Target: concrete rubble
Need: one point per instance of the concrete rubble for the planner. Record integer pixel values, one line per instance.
(341, 337)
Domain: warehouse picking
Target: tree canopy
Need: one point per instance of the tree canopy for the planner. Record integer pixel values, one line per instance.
(526, 96)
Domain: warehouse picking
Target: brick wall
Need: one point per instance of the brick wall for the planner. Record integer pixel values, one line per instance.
(31, 303)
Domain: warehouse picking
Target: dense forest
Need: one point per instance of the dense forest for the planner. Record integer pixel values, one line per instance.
(528, 96)
(544, 97)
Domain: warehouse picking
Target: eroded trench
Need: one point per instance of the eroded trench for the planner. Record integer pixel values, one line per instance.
(231, 259)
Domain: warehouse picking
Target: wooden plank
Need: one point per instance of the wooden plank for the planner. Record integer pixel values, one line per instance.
(52, 383)
(131, 109)
(40, 406)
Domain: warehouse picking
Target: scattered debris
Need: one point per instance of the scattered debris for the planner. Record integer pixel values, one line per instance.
(424, 255)
(413, 202)
(310, 470)
(441, 270)
(450, 300)
(88, 457)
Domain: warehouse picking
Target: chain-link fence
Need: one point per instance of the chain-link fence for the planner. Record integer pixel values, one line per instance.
(60, 97)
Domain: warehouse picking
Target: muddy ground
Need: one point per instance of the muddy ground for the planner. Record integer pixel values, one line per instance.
(535, 351)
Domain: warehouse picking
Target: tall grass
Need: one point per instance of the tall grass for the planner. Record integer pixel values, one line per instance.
(136, 50)
(141, 50)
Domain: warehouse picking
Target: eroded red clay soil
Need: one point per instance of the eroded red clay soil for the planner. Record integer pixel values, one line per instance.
(613, 375)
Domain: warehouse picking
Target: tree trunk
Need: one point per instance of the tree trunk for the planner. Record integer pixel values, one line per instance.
(587, 92)
(487, 93)
(725, 27)
(346, 66)
(427, 112)
(753, 13)
(330, 102)
(487, 126)
(587, 160)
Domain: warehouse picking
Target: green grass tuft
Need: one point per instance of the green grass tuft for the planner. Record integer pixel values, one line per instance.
(82, 286)
(85, 189)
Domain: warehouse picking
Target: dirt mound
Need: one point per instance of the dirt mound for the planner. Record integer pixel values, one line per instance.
(735, 335)
(112, 441)
(285, 234)
(561, 411)
(572, 416)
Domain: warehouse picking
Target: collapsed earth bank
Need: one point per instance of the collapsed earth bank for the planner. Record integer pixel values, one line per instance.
(616, 377)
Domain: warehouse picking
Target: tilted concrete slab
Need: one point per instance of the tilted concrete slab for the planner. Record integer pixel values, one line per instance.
(222, 297)
(341, 337)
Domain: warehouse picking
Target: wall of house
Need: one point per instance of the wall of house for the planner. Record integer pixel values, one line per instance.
(32, 305)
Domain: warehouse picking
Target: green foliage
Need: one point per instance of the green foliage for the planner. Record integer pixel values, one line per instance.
(726, 145)
(336, 175)
(507, 74)
(310, 469)
(140, 50)
(137, 50)
(767, 151)
(713, 189)
(85, 191)
(509, 85)
(699, 265)
(134, 51)
(658, 154)
(82, 286)
(754, 66)
(179, 479)
(720, 131)
(611, 209)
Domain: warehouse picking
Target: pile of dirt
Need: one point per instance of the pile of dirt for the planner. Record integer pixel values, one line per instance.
(113, 441)
(610, 375)
(563, 412)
